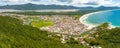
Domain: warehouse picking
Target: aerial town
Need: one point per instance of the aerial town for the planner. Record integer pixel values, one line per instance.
(65, 26)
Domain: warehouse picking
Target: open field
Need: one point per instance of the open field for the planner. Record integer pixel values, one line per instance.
(41, 23)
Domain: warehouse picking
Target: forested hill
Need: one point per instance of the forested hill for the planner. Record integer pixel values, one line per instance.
(13, 34)
(30, 6)
(104, 37)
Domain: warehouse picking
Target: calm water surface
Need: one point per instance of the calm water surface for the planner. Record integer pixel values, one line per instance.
(112, 17)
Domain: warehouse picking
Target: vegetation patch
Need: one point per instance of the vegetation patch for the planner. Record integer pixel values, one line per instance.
(42, 23)
(104, 37)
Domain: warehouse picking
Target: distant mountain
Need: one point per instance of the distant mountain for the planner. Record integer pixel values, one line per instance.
(30, 6)
(105, 8)
(99, 8)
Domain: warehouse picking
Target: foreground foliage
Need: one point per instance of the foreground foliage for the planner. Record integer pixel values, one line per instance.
(13, 34)
(105, 37)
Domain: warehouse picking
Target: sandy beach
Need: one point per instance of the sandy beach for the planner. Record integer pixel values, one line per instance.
(90, 26)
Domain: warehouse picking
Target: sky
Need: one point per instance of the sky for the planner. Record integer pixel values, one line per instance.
(78, 3)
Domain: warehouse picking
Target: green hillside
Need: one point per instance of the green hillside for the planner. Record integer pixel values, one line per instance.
(104, 37)
(13, 34)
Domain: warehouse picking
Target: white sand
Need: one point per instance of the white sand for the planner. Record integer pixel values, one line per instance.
(90, 26)
(83, 21)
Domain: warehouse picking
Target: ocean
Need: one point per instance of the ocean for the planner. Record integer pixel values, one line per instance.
(111, 16)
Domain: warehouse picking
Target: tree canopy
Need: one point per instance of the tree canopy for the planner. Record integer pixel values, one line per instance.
(13, 34)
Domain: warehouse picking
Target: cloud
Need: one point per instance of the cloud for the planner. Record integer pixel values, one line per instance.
(69, 1)
(64, 2)
(12, 2)
(91, 3)
(35, 0)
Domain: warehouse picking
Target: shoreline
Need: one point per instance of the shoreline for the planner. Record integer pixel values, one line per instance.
(90, 26)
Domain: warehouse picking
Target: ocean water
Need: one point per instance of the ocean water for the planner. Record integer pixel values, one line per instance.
(112, 17)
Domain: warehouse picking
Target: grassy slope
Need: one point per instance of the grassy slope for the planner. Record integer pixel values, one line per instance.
(42, 23)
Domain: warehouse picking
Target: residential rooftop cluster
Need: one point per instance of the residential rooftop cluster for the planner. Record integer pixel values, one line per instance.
(65, 25)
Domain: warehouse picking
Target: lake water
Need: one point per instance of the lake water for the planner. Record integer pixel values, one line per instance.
(54, 10)
(112, 16)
